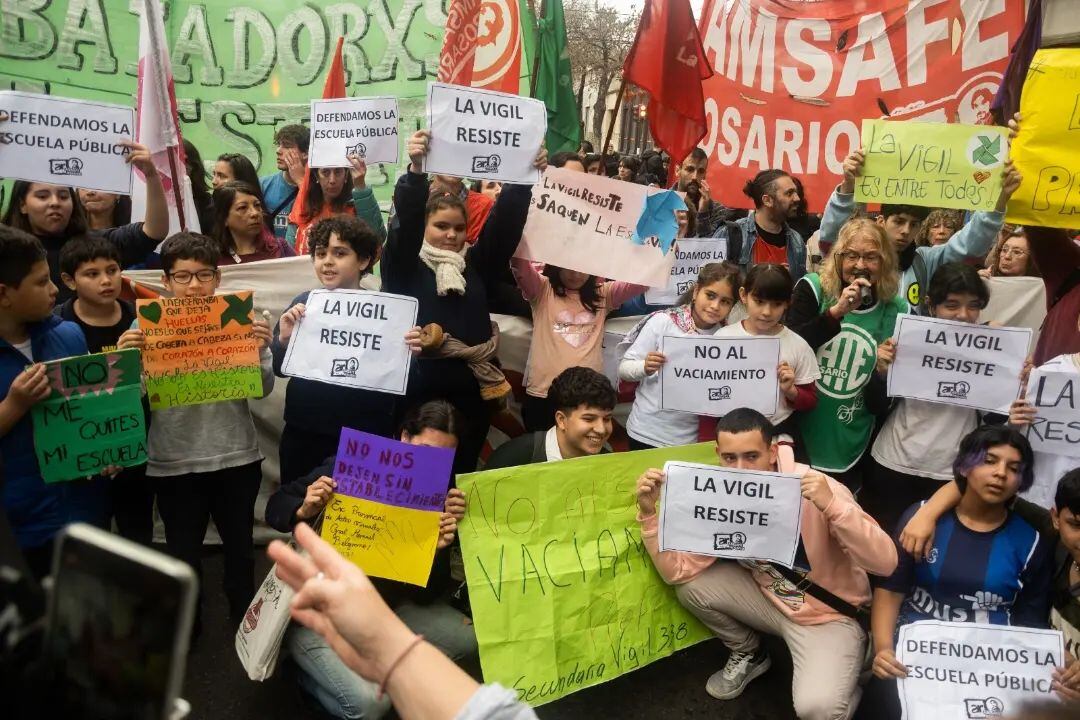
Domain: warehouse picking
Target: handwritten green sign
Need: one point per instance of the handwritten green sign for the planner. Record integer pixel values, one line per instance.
(93, 417)
(563, 592)
(943, 165)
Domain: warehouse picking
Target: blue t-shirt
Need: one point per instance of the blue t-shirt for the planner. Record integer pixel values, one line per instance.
(278, 196)
(1000, 577)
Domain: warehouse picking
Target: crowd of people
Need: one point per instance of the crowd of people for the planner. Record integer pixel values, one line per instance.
(887, 483)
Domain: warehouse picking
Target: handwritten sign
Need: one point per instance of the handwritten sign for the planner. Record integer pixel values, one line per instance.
(957, 363)
(691, 254)
(384, 515)
(199, 349)
(564, 593)
(363, 126)
(959, 671)
(709, 375)
(354, 338)
(483, 134)
(586, 223)
(932, 164)
(1046, 151)
(66, 142)
(1056, 397)
(92, 418)
(730, 513)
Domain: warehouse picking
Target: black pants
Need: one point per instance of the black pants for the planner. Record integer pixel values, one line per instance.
(187, 502)
(132, 497)
(537, 413)
(300, 451)
(880, 701)
(886, 494)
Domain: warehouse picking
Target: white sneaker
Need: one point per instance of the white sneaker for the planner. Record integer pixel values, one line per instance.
(741, 668)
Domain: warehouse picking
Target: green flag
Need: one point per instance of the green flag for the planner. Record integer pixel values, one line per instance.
(554, 84)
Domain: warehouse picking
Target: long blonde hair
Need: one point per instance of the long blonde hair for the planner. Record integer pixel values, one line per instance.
(857, 229)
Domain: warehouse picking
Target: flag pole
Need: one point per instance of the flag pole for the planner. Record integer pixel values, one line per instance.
(163, 93)
(536, 60)
(614, 117)
(177, 184)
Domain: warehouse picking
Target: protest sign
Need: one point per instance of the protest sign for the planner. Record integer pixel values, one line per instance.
(957, 363)
(354, 338)
(1056, 397)
(483, 134)
(1045, 150)
(586, 223)
(691, 254)
(564, 593)
(961, 670)
(66, 142)
(932, 164)
(384, 514)
(200, 349)
(92, 418)
(364, 126)
(708, 375)
(730, 513)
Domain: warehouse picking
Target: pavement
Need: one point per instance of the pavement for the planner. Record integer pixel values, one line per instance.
(218, 688)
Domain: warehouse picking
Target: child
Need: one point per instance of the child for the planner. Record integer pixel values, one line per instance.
(343, 250)
(205, 458)
(29, 335)
(766, 294)
(702, 310)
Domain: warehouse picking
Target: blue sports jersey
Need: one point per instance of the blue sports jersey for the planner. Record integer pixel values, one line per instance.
(1000, 577)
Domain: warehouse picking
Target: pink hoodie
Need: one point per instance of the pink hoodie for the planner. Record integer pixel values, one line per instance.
(842, 543)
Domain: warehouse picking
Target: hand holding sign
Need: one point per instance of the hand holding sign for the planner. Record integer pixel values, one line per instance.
(30, 387)
(648, 490)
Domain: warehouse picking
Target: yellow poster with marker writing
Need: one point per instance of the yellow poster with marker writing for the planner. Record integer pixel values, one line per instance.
(563, 592)
(1047, 149)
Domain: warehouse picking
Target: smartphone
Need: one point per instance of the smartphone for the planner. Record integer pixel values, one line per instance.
(119, 619)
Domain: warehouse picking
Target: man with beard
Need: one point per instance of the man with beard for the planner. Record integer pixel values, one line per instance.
(691, 180)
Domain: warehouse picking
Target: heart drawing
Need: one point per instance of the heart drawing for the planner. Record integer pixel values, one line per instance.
(151, 311)
(574, 329)
(980, 176)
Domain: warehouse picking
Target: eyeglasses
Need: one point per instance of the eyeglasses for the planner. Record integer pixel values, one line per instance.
(185, 277)
(873, 258)
(1013, 252)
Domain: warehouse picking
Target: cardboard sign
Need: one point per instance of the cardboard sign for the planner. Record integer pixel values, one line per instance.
(965, 671)
(707, 375)
(587, 222)
(354, 338)
(200, 349)
(1045, 150)
(932, 164)
(691, 254)
(384, 514)
(730, 513)
(66, 142)
(366, 127)
(92, 418)
(1056, 397)
(484, 135)
(957, 363)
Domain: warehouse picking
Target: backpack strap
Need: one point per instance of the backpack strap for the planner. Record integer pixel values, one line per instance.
(801, 582)
(539, 449)
(286, 201)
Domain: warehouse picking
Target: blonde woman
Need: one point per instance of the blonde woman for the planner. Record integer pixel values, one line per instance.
(847, 313)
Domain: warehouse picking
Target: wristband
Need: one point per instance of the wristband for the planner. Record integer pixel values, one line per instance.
(393, 666)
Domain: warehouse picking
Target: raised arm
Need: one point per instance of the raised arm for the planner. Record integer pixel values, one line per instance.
(363, 198)
(502, 232)
(842, 201)
(674, 566)
(858, 534)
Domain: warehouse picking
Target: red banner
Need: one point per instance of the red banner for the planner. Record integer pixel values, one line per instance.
(794, 78)
(482, 45)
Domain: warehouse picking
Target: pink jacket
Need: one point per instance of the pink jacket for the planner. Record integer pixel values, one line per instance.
(842, 543)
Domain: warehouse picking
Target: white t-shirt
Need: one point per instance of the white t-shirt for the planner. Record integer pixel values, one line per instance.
(920, 438)
(25, 349)
(1050, 467)
(795, 352)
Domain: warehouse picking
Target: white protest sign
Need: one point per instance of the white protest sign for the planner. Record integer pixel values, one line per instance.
(354, 338)
(1056, 397)
(963, 671)
(365, 126)
(957, 363)
(483, 134)
(585, 223)
(691, 254)
(66, 142)
(730, 513)
(708, 375)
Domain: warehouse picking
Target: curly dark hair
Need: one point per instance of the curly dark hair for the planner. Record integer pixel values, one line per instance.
(577, 386)
(351, 230)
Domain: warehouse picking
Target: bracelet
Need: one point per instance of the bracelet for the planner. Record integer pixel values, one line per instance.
(393, 666)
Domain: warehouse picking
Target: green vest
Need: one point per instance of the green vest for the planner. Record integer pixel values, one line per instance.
(837, 430)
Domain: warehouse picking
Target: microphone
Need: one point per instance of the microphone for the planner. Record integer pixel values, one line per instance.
(866, 292)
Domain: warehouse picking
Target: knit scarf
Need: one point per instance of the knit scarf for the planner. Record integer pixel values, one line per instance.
(448, 266)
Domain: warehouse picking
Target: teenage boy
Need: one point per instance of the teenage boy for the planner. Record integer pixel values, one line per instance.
(280, 189)
(584, 403)
(29, 335)
(813, 612)
(205, 458)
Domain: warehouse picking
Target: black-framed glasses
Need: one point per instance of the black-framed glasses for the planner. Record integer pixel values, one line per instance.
(184, 277)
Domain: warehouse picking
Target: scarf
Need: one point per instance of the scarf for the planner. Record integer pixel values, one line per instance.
(493, 384)
(449, 267)
(682, 316)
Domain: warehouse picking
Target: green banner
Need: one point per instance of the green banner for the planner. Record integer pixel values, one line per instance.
(563, 592)
(93, 418)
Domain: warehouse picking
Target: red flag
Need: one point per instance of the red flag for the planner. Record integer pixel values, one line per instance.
(459, 43)
(668, 61)
(482, 45)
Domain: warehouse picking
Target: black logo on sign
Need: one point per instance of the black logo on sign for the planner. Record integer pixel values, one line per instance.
(359, 150)
(486, 163)
(956, 390)
(345, 368)
(71, 166)
(729, 541)
(720, 393)
(979, 708)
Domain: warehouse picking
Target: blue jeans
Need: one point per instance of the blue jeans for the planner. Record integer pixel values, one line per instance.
(343, 693)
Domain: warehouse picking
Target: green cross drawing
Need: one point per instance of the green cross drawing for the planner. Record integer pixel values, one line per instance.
(239, 309)
(987, 152)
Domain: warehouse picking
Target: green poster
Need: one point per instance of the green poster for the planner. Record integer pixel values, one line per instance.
(93, 418)
(944, 165)
(563, 592)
